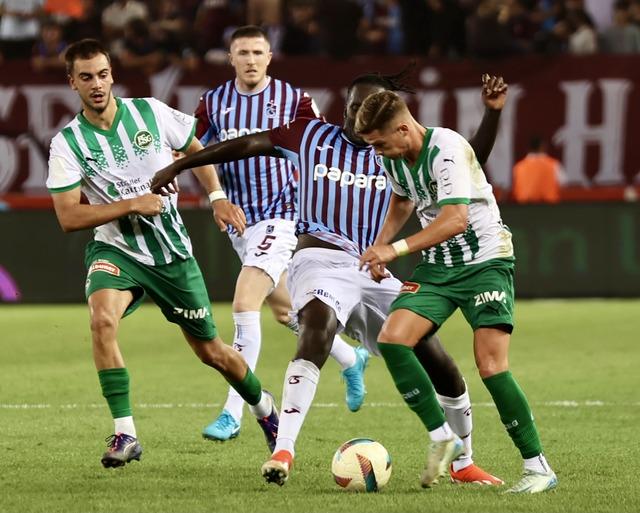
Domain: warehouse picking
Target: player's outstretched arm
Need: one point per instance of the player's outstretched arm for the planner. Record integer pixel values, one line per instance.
(494, 96)
(224, 212)
(73, 215)
(254, 145)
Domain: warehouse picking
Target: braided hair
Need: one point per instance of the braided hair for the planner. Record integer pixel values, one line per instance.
(396, 82)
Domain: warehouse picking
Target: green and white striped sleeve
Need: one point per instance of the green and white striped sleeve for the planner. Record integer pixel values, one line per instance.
(64, 172)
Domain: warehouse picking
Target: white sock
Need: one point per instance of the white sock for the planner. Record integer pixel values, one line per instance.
(442, 434)
(300, 383)
(247, 341)
(125, 425)
(263, 407)
(537, 464)
(343, 353)
(458, 413)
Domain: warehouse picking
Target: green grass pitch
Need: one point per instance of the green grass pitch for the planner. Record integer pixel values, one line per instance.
(576, 360)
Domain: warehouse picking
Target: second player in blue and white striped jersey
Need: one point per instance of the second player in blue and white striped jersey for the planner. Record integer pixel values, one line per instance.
(265, 187)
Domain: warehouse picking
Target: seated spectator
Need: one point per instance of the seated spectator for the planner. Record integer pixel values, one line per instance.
(538, 176)
(140, 50)
(622, 37)
(49, 49)
(19, 27)
(583, 40)
(118, 14)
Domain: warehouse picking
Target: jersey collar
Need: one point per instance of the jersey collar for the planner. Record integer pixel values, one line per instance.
(114, 126)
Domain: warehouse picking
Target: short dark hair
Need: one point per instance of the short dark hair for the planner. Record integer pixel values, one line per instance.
(83, 49)
(249, 31)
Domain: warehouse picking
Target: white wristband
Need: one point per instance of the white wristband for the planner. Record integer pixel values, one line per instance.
(401, 247)
(216, 195)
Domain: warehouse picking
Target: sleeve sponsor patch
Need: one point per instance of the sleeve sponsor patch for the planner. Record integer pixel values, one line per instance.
(104, 266)
(409, 287)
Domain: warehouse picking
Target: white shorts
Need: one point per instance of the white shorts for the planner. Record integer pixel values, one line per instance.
(267, 245)
(361, 305)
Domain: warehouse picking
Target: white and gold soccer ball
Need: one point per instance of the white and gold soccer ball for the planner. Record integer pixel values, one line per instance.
(361, 465)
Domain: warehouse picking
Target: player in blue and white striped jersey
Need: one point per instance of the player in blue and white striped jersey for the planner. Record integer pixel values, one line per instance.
(265, 188)
(342, 200)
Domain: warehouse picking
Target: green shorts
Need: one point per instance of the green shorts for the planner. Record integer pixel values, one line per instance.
(483, 292)
(177, 288)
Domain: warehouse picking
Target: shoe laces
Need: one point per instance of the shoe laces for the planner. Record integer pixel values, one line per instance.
(116, 441)
(225, 420)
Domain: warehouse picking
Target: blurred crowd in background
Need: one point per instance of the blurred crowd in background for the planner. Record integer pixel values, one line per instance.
(149, 34)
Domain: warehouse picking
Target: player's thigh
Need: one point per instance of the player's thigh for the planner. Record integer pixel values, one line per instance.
(269, 246)
(367, 318)
(434, 304)
(179, 290)
(487, 297)
(327, 275)
(404, 327)
(113, 285)
(252, 287)
(107, 307)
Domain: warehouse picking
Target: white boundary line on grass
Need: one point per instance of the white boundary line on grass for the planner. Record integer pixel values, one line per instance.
(168, 406)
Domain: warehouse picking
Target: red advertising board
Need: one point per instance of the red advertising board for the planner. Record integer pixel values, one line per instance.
(588, 108)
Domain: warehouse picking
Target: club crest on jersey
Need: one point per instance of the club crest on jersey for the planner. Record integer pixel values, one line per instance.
(143, 139)
(409, 287)
(271, 109)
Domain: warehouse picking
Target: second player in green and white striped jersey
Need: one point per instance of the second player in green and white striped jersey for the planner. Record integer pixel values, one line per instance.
(118, 164)
(447, 172)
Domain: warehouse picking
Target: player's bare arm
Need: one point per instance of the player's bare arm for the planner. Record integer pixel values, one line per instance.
(253, 145)
(451, 221)
(494, 96)
(224, 212)
(400, 209)
(74, 215)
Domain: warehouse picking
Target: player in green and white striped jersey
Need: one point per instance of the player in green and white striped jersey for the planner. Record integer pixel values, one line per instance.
(467, 263)
(110, 151)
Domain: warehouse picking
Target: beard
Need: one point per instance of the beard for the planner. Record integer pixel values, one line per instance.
(100, 108)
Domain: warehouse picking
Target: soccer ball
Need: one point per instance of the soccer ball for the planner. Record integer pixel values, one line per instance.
(361, 465)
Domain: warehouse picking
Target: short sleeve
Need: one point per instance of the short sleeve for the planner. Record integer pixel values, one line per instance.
(64, 172)
(288, 137)
(307, 108)
(179, 128)
(205, 128)
(452, 168)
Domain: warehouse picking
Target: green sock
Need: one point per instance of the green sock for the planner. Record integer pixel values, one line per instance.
(413, 383)
(249, 388)
(115, 389)
(515, 413)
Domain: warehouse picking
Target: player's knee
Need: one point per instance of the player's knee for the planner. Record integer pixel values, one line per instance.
(391, 334)
(489, 365)
(246, 305)
(103, 321)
